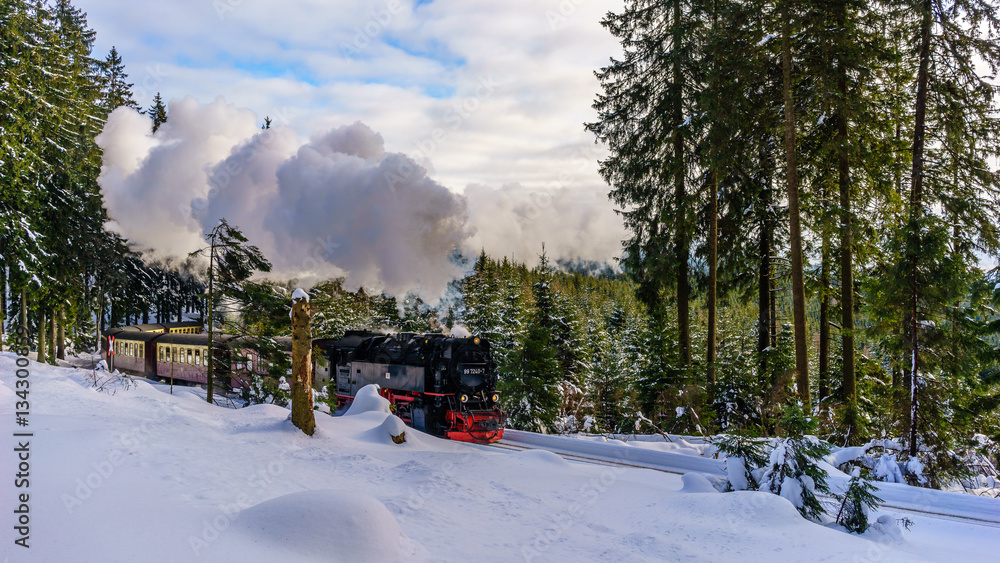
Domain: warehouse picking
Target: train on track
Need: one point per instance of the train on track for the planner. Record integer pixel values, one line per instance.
(445, 386)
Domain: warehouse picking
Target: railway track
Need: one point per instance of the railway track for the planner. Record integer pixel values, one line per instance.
(595, 460)
(637, 464)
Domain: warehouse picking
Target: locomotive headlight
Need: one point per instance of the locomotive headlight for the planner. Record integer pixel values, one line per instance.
(464, 398)
(496, 397)
(475, 340)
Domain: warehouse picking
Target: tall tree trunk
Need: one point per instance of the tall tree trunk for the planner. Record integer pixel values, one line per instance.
(42, 328)
(681, 248)
(764, 298)
(824, 321)
(3, 303)
(302, 399)
(61, 336)
(211, 330)
(794, 229)
(773, 280)
(916, 212)
(52, 341)
(846, 248)
(24, 309)
(101, 326)
(713, 249)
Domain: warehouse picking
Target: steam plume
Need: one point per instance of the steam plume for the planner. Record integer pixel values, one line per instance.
(337, 204)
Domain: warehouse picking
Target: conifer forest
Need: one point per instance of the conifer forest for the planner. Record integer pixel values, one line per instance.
(810, 191)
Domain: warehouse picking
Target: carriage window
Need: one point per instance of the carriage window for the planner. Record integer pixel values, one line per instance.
(204, 358)
(197, 357)
(159, 353)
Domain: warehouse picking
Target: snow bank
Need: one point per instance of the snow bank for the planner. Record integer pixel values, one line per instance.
(391, 426)
(885, 530)
(697, 483)
(736, 473)
(368, 400)
(541, 457)
(324, 524)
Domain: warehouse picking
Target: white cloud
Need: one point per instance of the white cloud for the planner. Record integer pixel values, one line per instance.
(415, 76)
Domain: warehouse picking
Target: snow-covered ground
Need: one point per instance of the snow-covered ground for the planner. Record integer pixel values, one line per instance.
(143, 475)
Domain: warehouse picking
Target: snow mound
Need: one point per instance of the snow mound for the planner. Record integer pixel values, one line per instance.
(541, 457)
(885, 530)
(300, 294)
(391, 426)
(696, 483)
(368, 400)
(318, 525)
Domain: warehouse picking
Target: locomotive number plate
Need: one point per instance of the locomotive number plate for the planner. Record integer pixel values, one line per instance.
(473, 371)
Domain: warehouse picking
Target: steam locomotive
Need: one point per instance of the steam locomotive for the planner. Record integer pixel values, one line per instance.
(441, 385)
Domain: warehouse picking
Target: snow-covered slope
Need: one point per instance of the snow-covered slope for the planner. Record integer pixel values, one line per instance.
(142, 475)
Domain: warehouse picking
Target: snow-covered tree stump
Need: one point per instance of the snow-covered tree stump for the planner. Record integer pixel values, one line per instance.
(302, 397)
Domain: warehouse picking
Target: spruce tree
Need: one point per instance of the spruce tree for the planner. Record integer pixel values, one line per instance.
(116, 89)
(855, 503)
(644, 116)
(793, 471)
(157, 111)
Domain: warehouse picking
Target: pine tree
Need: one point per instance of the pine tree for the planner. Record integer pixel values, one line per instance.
(157, 111)
(529, 381)
(793, 471)
(855, 503)
(117, 91)
(948, 210)
(233, 260)
(644, 116)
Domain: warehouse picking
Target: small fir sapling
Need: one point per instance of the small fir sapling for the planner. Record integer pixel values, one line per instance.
(856, 502)
(793, 471)
(743, 455)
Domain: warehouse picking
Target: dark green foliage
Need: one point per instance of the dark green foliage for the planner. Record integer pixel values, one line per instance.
(529, 381)
(855, 503)
(158, 112)
(116, 89)
(749, 449)
(793, 470)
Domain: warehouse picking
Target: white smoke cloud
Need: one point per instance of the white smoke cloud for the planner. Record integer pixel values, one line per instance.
(337, 204)
(515, 221)
(149, 180)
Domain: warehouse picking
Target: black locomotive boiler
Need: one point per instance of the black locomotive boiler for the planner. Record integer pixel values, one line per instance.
(438, 384)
